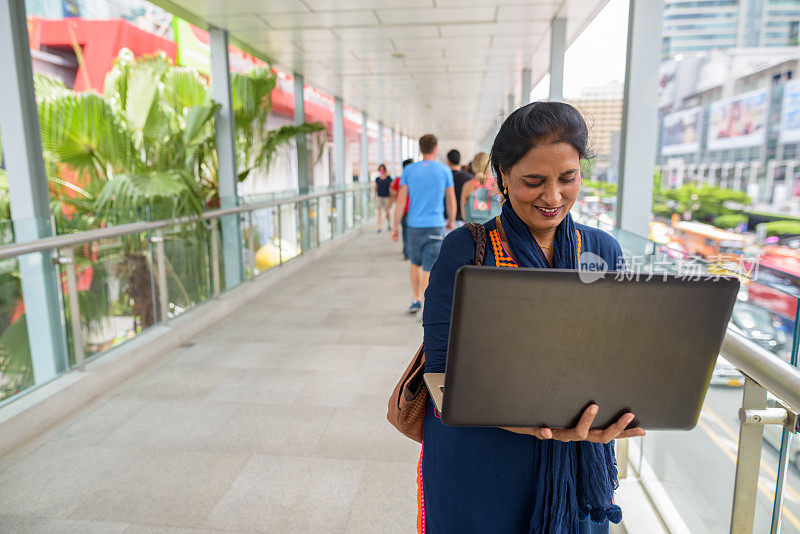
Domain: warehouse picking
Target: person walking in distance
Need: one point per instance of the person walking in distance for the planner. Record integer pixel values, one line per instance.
(404, 220)
(480, 199)
(459, 179)
(428, 183)
(383, 193)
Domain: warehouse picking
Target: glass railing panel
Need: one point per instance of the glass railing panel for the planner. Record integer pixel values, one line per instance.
(188, 266)
(116, 286)
(16, 369)
(349, 207)
(326, 219)
(289, 240)
(266, 250)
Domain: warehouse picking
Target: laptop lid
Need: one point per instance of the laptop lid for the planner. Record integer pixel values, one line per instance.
(533, 347)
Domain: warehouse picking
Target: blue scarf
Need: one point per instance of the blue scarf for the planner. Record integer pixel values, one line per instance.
(573, 480)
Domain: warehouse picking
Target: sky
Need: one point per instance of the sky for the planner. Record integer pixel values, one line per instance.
(597, 56)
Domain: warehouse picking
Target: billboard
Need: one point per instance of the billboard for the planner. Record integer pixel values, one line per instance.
(738, 122)
(680, 132)
(194, 50)
(790, 114)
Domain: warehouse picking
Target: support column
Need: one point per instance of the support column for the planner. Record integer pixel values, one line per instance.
(395, 154)
(380, 145)
(338, 155)
(30, 194)
(511, 105)
(639, 118)
(525, 98)
(302, 149)
(364, 171)
(303, 178)
(558, 46)
(228, 172)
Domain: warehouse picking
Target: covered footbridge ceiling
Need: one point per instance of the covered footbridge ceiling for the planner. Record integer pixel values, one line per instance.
(444, 66)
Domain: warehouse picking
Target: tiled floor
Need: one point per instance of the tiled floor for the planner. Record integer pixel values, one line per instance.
(274, 421)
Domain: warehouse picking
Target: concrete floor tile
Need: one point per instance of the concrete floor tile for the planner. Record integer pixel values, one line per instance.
(100, 420)
(148, 529)
(403, 334)
(272, 429)
(245, 355)
(67, 526)
(178, 425)
(386, 501)
(343, 388)
(365, 435)
(261, 386)
(331, 357)
(176, 382)
(52, 481)
(286, 494)
(169, 488)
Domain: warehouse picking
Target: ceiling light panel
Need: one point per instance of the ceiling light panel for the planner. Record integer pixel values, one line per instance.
(327, 19)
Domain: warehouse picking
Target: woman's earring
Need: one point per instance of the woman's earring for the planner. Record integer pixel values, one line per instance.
(505, 190)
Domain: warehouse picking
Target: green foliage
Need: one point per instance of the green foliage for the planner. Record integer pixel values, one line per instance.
(729, 221)
(145, 149)
(782, 228)
(601, 188)
(705, 203)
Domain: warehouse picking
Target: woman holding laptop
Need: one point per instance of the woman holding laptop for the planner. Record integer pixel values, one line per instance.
(514, 480)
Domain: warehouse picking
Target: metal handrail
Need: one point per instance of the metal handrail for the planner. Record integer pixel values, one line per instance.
(763, 367)
(88, 236)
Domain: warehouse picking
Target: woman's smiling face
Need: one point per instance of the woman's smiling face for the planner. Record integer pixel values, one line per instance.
(544, 185)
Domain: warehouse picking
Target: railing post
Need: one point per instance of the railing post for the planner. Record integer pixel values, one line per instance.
(251, 244)
(780, 483)
(318, 220)
(279, 242)
(161, 277)
(748, 460)
(334, 216)
(215, 256)
(67, 260)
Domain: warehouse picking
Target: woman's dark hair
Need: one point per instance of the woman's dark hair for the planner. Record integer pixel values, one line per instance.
(407, 162)
(381, 166)
(535, 124)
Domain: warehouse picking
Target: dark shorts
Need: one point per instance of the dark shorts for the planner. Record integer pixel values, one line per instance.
(424, 245)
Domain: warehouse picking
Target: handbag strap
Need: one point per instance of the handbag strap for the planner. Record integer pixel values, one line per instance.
(479, 235)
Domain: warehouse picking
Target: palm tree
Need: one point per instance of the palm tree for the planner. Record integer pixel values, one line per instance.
(145, 150)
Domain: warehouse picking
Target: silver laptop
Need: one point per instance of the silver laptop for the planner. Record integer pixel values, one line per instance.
(534, 347)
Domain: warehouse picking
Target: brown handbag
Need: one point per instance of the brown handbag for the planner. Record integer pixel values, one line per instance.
(407, 403)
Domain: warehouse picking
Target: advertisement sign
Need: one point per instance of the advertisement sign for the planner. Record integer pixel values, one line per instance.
(680, 132)
(194, 50)
(738, 122)
(666, 83)
(790, 113)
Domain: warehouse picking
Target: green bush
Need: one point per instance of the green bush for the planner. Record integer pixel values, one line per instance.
(729, 221)
(782, 228)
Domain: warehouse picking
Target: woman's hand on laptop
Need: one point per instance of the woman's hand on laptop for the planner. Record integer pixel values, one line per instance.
(583, 430)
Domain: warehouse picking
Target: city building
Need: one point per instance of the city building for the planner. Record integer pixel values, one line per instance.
(728, 118)
(719, 24)
(602, 109)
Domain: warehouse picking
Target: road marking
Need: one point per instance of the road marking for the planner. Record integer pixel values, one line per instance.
(765, 491)
(764, 465)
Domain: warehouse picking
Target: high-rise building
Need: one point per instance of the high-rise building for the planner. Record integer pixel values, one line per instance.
(708, 24)
(601, 108)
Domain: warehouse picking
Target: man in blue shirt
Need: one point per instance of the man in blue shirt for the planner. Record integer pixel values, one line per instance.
(429, 184)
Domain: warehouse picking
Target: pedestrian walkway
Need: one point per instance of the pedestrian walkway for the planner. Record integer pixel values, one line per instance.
(273, 421)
